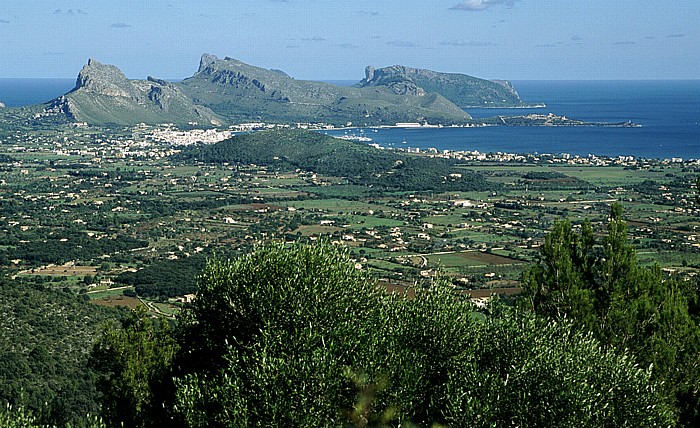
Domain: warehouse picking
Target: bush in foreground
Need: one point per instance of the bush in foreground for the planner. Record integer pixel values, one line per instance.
(296, 336)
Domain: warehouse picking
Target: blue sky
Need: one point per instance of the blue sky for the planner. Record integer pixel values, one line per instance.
(328, 39)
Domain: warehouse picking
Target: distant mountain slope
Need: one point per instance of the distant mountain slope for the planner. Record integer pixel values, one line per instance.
(464, 91)
(361, 164)
(242, 92)
(229, 91)
(103, 95)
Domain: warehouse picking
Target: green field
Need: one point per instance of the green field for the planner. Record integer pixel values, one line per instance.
(177, 209)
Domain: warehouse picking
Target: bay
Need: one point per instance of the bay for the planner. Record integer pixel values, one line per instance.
(669, 112)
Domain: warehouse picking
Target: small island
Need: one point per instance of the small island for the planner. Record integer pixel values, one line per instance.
(552, 119)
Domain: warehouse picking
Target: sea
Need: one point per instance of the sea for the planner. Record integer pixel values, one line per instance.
(24, 92)
(668, 112)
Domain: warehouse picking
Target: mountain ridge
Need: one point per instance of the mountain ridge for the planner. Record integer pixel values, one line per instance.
(241, 91)
(230, 91)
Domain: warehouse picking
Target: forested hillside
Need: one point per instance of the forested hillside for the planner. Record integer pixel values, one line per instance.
(45, 339)
(358, 163)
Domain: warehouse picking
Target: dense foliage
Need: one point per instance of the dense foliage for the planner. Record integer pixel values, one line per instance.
(602, 288)
(6, 159)
(74, 246)
(166, 277)
(132, 360)
(296, 336)
(359, 163)
(45, 339)
(20, 417)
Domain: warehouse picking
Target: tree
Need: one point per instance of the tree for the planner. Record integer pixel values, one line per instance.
(530, 371)
(132, 361)
(295, 335)
(271, 336)
(284, 335)
(604, 290)
(557, 286)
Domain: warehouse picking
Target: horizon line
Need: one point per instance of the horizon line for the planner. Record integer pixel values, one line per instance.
(327, 80)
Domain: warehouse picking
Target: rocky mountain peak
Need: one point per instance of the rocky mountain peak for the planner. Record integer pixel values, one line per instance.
(369, 73)
(103, 79)
(160, 82)
(206, 61)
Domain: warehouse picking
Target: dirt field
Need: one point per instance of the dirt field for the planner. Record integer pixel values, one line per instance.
(409, 292)
(467, 258)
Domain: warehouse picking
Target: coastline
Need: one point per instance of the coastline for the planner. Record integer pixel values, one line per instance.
(502, 156)
(523, 106)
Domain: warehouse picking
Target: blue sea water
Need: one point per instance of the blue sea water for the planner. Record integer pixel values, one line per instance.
(669, 112)
(23, 92)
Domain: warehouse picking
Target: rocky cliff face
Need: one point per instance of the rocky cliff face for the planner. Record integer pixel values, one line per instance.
(461, 89)
(236, 77)
(102, 79)
(104, 95)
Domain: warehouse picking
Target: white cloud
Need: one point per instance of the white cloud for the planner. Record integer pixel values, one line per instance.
(479, 5)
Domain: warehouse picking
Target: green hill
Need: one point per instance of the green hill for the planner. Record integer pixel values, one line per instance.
(359, 163)
(45, 338)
